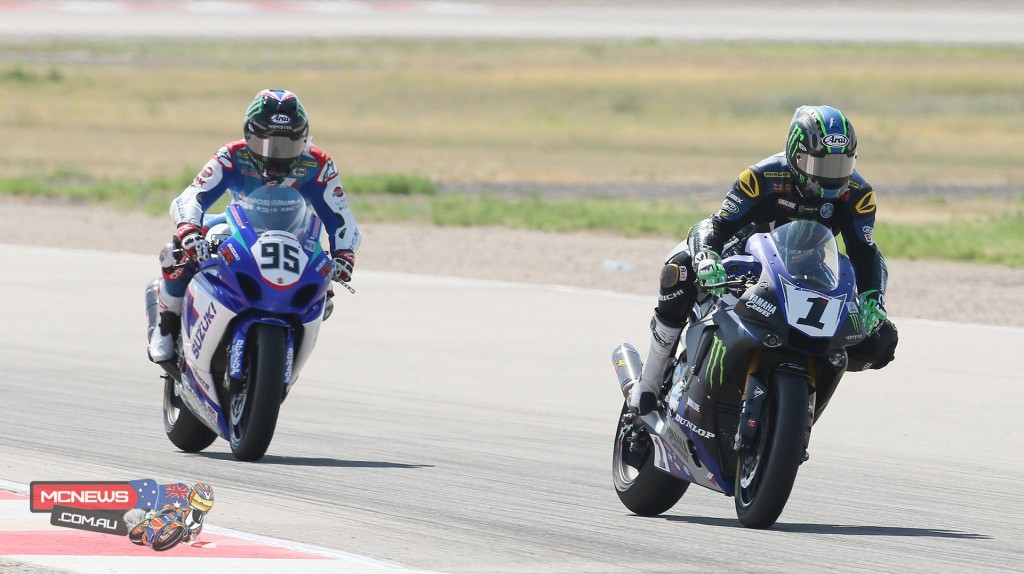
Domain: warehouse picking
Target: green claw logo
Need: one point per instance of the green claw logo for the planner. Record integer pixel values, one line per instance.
(716, 363)
(855, 318)
(795, 137)
(255, 107)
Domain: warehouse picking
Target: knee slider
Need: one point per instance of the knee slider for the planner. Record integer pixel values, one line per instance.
(672, 274)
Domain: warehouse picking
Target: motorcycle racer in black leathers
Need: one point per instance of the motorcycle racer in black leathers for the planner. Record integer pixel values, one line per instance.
(813, 178)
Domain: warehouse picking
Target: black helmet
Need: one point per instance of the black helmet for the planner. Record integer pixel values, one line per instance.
(821, 149)
(276, 131)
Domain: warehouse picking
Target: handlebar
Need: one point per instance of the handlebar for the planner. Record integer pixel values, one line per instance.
(183, 260)
(738, 284)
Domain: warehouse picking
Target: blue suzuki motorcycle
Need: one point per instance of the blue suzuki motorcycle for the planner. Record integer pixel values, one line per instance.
(759, 365)
(250, 320)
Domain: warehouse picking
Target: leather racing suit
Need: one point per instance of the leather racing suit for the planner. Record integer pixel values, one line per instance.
(765, 196)
(231, 170)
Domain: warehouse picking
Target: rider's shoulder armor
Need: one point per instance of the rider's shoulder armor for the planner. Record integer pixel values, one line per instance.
(234, 152)
(860, 198)
(321, 164)
(241, 160)
(757, 184)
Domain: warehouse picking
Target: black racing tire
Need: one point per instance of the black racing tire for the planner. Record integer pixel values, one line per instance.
(183, 428)
(252, 413)
(765, 474)
(641, 487)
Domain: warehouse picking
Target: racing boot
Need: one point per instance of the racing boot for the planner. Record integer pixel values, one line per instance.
(161, 340)
(644, 396)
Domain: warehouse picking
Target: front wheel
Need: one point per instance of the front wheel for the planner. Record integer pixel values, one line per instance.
(766, 472)
(184, 429)
(252, 412)
(641, 487)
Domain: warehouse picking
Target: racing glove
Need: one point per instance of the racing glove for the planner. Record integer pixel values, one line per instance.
(872, 310)
(344, 261)
(192, 241)
(709, 269)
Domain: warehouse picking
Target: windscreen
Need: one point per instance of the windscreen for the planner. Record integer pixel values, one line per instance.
(809, 252)
(276, 208)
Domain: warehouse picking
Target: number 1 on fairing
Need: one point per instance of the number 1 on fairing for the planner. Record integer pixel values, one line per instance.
(813, 318)
(810, 312)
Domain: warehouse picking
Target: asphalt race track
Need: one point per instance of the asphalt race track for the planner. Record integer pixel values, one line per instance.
(464, 426)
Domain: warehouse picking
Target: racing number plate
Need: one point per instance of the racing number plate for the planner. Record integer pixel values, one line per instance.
(813, 313)
(280, 257)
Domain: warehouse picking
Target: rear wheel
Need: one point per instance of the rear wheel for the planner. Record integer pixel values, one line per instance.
(766, 472)
(641, 487)
(252, 412)
(183, 428)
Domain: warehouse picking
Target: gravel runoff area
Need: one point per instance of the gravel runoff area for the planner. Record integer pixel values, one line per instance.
(958, 292)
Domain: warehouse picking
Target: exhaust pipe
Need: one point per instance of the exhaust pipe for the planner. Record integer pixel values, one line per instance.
(628, 366)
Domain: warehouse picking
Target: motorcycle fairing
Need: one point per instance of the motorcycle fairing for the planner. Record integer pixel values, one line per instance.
(225, 298)
(689, 431)
(202, 401)
(202, 333)
(257, 283)
(671, 452)
(708, 394)
(815, 312)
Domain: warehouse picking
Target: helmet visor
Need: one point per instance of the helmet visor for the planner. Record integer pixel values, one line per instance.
(828, 167)
(827, 175)
(270, 148)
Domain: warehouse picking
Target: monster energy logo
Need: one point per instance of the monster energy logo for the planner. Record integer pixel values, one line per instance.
(716, 362)
(795, 137)
(255, 107)
(855, 318)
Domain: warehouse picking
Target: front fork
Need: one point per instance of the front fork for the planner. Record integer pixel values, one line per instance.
(233, 376)
(754, 396)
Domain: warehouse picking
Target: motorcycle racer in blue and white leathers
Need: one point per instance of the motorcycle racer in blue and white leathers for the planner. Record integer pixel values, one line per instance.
(275, 150)
(813, 178)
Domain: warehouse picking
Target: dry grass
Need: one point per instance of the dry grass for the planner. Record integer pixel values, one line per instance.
(518, 111)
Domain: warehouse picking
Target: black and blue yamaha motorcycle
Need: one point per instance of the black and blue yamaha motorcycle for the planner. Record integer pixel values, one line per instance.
(759, 365)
